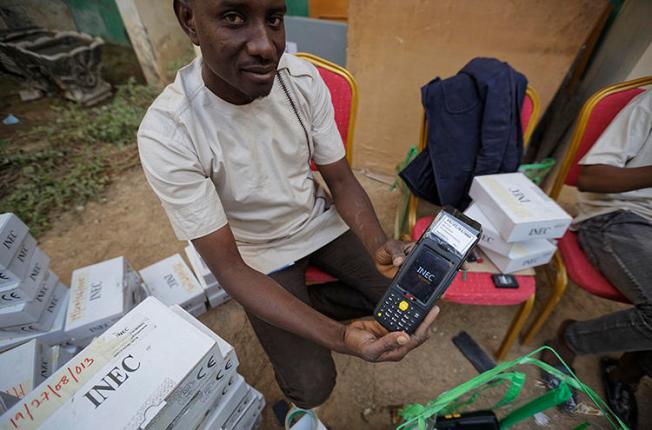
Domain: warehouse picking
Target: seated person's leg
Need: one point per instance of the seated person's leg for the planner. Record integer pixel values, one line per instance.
(304, 370)
(619, 246)
(360, 286)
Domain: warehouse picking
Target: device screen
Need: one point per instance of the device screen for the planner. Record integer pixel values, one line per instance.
(425, 274)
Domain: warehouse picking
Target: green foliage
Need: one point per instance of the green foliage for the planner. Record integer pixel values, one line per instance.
(62, 165)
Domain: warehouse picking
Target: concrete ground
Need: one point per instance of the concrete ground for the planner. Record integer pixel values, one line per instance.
(129, 221)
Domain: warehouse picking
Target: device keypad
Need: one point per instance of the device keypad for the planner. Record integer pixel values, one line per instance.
(398, 313)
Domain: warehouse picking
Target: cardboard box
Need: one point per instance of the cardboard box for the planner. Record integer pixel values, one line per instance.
(22, 368)
(242, 411)
(204, 274)
(218, 298)
(523, 255)
(29, 312)
(211, 397)
(61, 354)
(55, 335)
(19, 267)
(172, 282)
(12, 233)
(7, 401)
(492, 241)
(518, 208)
(25, 289)
(53, 307)
(99, 296)
(146, 365)
(251, 414)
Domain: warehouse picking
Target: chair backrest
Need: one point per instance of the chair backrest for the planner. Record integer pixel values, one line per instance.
(529, 117)
(344, 95)
(596, 114)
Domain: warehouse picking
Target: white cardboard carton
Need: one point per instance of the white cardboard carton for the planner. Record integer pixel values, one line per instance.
(519, 209)
(211, 396)
(148, 363)
(226, 405)
(21, 368)
(54, 336)
(25, 289)
(18, 268)
(218, 298)
(204, 274)
(29, 312)
(491, 240)
(172, 282)
(99, 296)
(251, 413)
(57, 301)
(12, 234)
(214, 292)
(523, 255)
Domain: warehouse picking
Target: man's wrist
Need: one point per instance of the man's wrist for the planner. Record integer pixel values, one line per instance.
(339, 340)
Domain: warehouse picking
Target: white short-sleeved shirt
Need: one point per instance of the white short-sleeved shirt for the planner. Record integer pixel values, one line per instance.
(626, 142)
(211, 163)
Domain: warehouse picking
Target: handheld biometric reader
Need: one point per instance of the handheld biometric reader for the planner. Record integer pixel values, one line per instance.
(428, 270)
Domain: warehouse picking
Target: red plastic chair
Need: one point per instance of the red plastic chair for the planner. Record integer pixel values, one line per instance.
(344, 95)
(597, 113)
(478, 287)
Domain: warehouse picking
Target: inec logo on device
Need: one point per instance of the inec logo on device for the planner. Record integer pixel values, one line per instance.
(426, 274)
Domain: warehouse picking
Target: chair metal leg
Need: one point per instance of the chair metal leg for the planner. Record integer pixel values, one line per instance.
(515, 328)
(559, 287)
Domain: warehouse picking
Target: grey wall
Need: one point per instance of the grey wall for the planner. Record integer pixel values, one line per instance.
(326, 39)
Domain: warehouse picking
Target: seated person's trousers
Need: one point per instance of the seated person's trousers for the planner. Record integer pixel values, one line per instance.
(620, 245)
(304, 370)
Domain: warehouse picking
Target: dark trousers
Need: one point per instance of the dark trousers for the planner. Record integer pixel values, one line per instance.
(304, 370)
(620, 245)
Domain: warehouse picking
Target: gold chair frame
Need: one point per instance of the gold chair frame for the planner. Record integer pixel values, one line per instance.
(526, 307)
(341, 71)
(559, 279)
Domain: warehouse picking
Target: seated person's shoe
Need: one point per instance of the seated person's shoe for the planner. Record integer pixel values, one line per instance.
(620, 396)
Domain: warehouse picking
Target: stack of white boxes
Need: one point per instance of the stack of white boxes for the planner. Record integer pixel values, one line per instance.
(24, 367)
(214, 292)
(519, 221)
(171, 281)
(100, 295)
(32, 300)
(156, 368)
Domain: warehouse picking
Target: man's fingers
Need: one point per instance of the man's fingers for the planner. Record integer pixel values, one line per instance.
(421, 334)
(387, 343)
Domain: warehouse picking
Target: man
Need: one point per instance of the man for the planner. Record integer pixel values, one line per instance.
(227, 148)
(615, 230)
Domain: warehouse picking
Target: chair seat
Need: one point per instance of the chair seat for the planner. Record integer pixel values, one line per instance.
(582, 272)
(316, 276)
(479, 288)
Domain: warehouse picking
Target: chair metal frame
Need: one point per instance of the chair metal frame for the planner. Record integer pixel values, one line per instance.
(341, 71)
(560, 276)
(524, 311)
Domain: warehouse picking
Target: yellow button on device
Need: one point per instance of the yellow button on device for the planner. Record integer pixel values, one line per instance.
(403, 305)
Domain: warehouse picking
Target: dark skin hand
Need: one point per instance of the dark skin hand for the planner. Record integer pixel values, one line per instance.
(602, 178)
(242, 42)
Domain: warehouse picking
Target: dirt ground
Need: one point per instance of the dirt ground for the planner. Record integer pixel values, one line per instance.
(129, 221)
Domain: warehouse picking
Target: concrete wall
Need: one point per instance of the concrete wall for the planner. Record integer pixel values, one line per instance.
(158, 40)
(396, 46)
(644, 65)
(50, 14)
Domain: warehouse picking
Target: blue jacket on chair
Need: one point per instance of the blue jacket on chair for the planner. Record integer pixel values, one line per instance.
(474, 128)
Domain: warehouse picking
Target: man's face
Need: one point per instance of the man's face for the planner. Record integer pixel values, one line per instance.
(241, 42)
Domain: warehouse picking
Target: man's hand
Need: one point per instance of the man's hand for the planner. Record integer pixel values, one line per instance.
(391, 255)
(370, 341)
